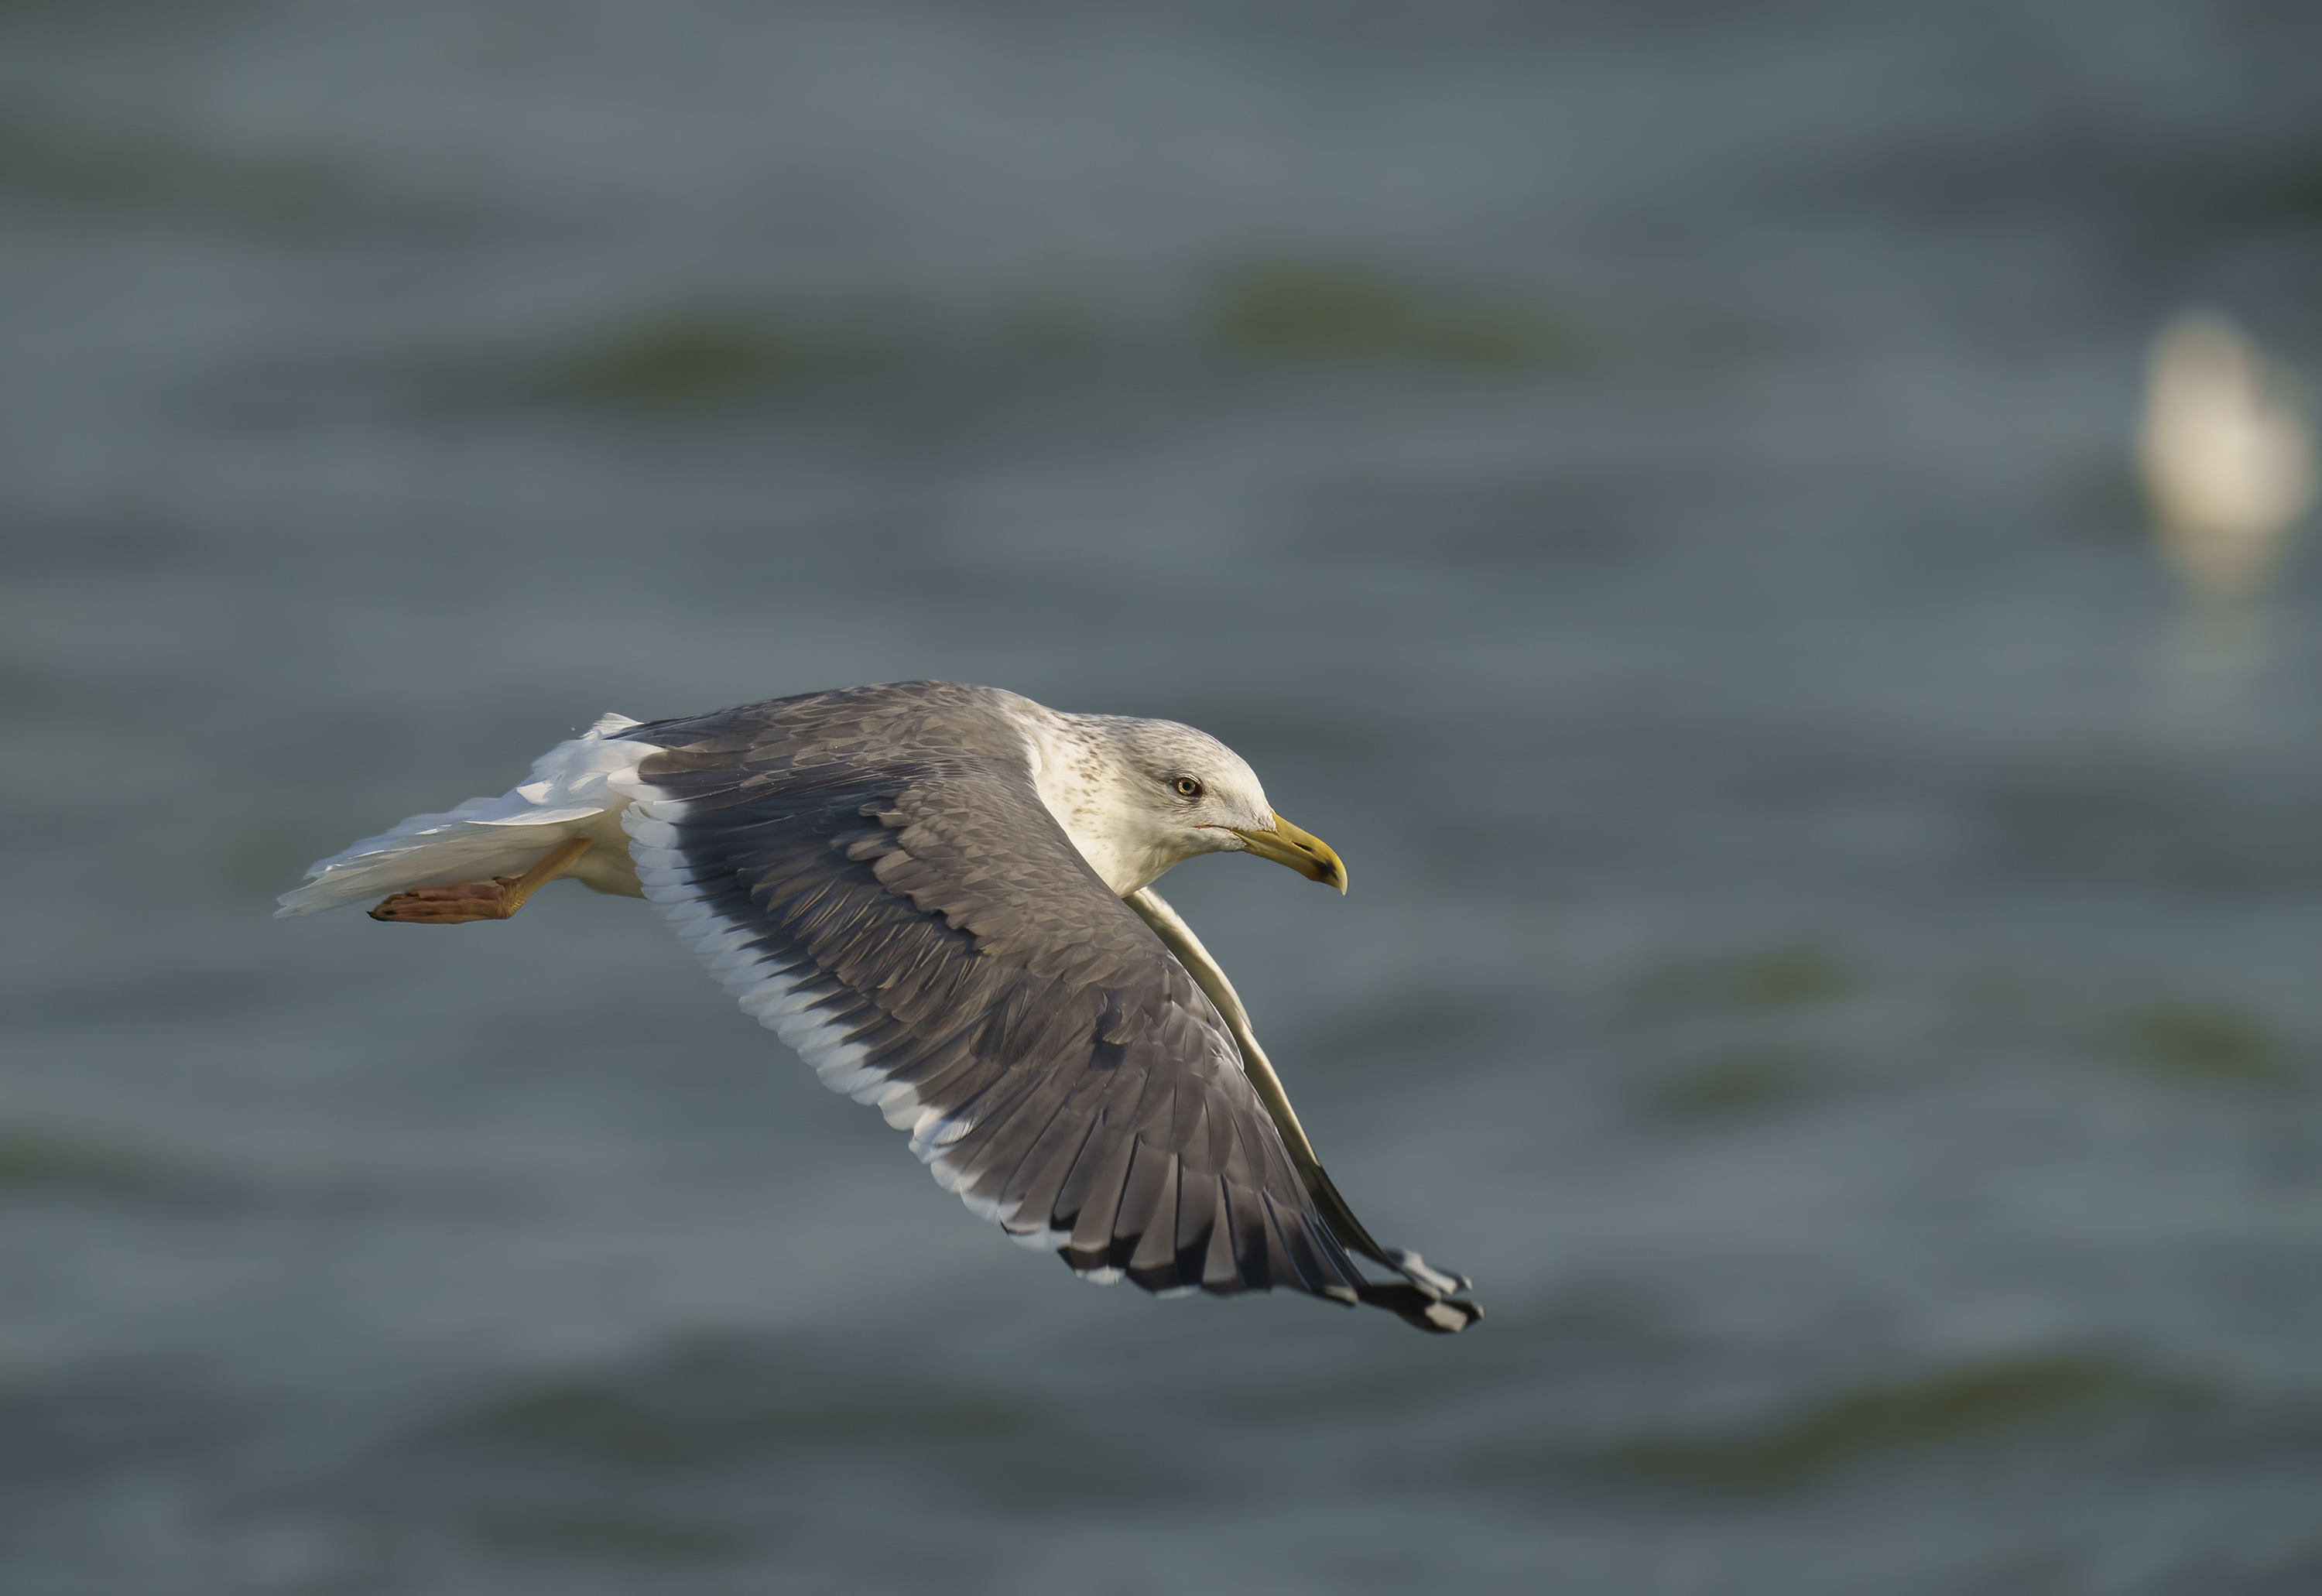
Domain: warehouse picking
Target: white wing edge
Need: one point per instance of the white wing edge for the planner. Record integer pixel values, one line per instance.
(1209, 975)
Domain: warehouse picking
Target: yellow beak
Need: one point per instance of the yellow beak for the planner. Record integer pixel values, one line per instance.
(1302, 851)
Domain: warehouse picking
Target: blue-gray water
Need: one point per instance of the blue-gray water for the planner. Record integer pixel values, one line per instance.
(1832, 950)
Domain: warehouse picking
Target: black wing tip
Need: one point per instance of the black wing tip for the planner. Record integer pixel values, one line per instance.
(1419, 1305)
(1427, 1298)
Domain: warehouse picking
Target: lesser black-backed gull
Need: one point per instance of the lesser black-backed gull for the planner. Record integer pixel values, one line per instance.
(941, 896)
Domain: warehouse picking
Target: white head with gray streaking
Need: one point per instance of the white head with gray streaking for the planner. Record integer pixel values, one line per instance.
(1140, 796)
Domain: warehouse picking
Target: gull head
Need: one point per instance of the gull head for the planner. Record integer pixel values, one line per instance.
(1140, 796)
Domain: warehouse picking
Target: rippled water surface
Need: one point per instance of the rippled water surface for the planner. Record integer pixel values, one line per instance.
(1833, 948)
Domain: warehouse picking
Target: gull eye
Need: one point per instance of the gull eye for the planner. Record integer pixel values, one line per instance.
(1186, 787)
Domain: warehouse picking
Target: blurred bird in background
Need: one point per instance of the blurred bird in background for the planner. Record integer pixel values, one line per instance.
(2226, 456)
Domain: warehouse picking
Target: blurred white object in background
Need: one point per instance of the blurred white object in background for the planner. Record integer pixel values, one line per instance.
(2227, 455)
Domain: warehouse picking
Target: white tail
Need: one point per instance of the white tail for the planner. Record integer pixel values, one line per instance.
(578, 789)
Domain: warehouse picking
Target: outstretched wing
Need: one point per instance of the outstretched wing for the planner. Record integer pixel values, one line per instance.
(875, 877)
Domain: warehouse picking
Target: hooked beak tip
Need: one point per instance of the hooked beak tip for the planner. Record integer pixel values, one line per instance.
(1300, 851)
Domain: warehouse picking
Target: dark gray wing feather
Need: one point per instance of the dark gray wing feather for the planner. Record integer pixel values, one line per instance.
(873, 873)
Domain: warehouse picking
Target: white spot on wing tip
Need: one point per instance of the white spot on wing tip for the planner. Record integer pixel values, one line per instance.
(1435, 1282)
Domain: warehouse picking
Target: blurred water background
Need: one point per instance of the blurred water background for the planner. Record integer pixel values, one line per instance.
(1834, 940)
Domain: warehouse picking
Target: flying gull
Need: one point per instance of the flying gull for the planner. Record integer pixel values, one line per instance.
(941, 896)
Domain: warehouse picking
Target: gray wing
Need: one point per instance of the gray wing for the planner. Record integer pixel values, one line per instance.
(873, 874)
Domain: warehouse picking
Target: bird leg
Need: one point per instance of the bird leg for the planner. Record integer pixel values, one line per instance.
(495, 899)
